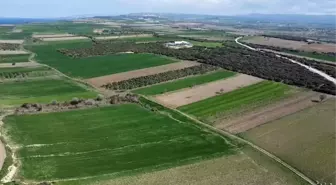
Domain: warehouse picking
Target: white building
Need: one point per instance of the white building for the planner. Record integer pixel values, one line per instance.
(179, 44)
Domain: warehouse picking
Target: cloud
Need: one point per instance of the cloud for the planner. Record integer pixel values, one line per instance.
(42, 8)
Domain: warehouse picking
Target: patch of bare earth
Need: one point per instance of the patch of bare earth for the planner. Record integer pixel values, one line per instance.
(20, 64)
(123, 36)
(276, 42)
(201, 92)
(320, 47)
(12, 41)
(99, 81)
(63, 38)
(2, 154)
(242, 123)
(12, 52)
(52, 35)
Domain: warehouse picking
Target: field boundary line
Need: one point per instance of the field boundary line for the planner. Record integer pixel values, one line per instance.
(232, 136)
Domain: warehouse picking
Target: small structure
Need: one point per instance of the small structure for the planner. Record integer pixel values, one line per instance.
(179, 44)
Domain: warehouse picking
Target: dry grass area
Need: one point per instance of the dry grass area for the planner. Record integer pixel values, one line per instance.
(12, 41)
(275, 42)
(99, 81)
(13, 52)
(198, 93)
(123, 36)
(291, 44)
(52, 35)
(248, 167)
(64, 38)
(320, 47)
(305, 140)
(249, 120)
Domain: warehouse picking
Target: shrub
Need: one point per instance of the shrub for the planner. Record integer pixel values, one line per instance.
(74, 101)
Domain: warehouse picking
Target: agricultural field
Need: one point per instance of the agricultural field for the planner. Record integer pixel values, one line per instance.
(90, 67)
(290, 44)
(24, 72)
(14, 58)
(305, 140)
(40, 91)
(247, 167)
(185, 83)
(205, 91)
(115, 139)
(102, 80)
(237, 101)
(315, 56)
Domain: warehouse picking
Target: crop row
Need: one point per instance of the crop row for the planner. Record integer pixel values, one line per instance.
(231, 57)
(161, 77)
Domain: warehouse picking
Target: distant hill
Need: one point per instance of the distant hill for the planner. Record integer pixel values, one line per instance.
(23, 20)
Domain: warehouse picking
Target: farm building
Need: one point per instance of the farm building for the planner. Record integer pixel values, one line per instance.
(179, 44)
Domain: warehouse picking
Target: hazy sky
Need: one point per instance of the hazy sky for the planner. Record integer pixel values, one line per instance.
(63, 8)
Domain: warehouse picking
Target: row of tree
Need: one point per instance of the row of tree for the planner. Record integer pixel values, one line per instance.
(158, 78)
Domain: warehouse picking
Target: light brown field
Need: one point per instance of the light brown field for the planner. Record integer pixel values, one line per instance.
(249, 120)
(324, 47)
(198, 93)
(52, 35)
(12, 52)
(12, 41)
(248, 167)
(19, 64)
(64, 38)
(99, 81)
(305, 140)
(320, 47)
(122, 36)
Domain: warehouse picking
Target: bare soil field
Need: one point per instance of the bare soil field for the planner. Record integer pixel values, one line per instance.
(245, 168)
(198, 93)
(63, 38)
(52, 35)
(320, 47)
(12, 41)
(275, 42)
(122, 36)
(13, 52)
(305, 140)
(20, 64)
(2, 154)
(291, 44)
(99, 81)
(244, 122)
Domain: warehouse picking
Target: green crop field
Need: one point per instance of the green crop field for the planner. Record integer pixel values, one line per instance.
(251, 96)
(185, 83)
(116, 140)
(93, 66)
(40, 91)
(315, 55)
(14, 58)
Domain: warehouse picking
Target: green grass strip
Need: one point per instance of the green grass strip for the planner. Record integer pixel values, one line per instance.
(185, 83)
(253, 95)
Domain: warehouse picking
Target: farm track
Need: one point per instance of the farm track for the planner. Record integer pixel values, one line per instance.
(232, 136)
(269, 113)
(322, 74)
